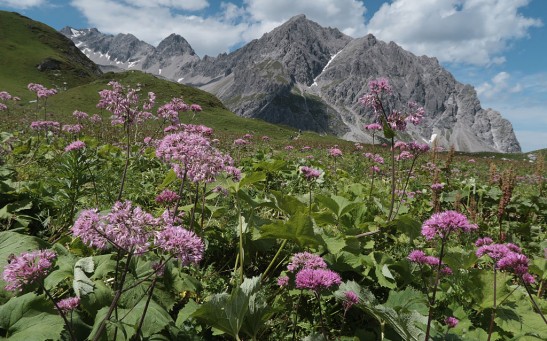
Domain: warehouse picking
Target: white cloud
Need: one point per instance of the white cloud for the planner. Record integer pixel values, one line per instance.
(461, 31)
(500, 83)
(22, 4)
(346, 15)
(190, 5)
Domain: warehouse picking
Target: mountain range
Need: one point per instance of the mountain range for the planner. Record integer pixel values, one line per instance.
(311, 77)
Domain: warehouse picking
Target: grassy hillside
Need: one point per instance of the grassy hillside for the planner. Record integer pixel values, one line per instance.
(25, 44)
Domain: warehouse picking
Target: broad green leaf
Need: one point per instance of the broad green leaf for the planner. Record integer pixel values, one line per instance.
(299, 228)
(82, 284)
(30, 317)
(288, 204)
(235, 312)
(170, 177)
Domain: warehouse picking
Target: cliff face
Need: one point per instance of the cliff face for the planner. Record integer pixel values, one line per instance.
(311, 77)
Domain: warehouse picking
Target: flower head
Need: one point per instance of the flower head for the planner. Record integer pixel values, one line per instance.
(350, 298)
(441, 224)
(306, 260)
(283, 281)
(310, 173)
(316, 279)
(183, 244)
(335, 152)
(68, 304)
(27, 268)
(451, 322)
(76, 145)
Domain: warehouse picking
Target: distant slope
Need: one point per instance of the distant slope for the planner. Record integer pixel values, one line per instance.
(34, 52)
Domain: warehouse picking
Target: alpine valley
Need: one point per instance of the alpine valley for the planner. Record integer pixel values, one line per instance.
(311, 77)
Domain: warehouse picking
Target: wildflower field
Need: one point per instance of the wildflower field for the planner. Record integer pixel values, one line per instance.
(126, 224)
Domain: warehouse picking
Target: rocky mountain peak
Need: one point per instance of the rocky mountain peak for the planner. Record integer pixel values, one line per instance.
(174, 44)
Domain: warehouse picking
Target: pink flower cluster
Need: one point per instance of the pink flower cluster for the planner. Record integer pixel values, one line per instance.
(451, 321)
(40, 90)
(373, 127)
(316, 279)
(183, 244)
(167, 196)
(311, 273)
(68, 304)
(441, 224)
(124, 104)
(170, 111)
(5, 96)
(419, 257)
(506, 256)
(192, 155)
(72, 128)
(335, 152)
(376, 158)
(27, 268)
(80, 115)
(45, 126)
(126, 227)
(306, 260)
(76, 145)
(396, 119)
(310, 173)
(350, 298)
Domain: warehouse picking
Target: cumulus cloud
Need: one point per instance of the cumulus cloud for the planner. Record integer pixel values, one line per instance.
(346, 15)
(500, 84)
(460, 31)
(189, 5)
(22, 4)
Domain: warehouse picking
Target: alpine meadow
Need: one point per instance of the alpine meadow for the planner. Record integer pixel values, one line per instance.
(134, 207)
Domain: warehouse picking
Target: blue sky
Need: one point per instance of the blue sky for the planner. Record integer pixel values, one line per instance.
(498, 46)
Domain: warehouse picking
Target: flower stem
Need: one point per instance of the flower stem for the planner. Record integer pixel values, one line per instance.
(63, 315)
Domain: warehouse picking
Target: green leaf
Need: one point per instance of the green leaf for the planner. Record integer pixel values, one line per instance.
(242, 310)
(170, 177)
(30, 317)
(82, 284)
(299, 228)
(288, 203)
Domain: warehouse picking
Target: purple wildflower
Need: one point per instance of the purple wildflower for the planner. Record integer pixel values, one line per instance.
(183, 244)
(335, 152)
(72, 128)
(27, 268)
(437, 186)
(373, 126)
(80, 115)
(91, 229)
(283, 281)
(441, 224)
(306, 260)
(310, 173)
(45, 125)
(76, 145)
(483, 241)
(316, 279)
(167, 196)
(68, 304)
(350, 298)
(451, 322)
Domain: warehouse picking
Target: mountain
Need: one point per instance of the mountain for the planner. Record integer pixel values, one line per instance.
(34, 52)
(311, 77)
(125, 51)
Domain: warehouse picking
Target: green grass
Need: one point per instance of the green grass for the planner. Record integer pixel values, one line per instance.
(24, 44)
